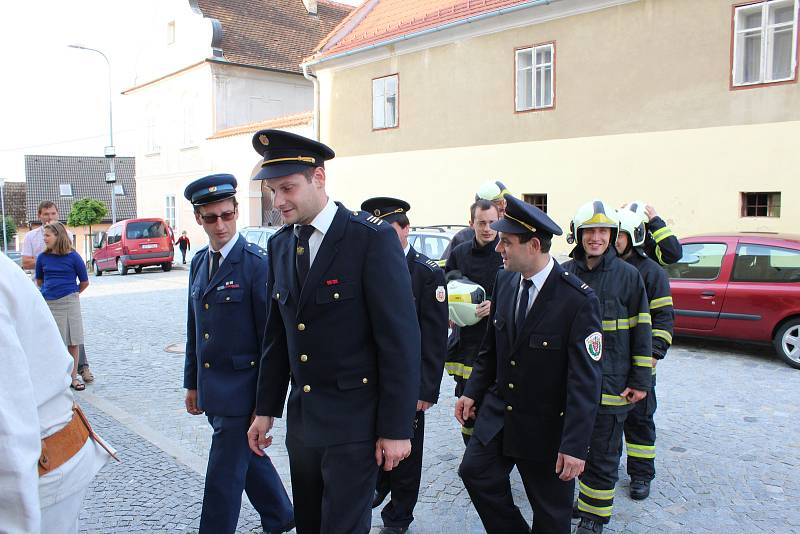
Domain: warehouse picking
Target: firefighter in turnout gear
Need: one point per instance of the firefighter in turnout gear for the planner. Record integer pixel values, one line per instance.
(627, 353)
(660, 244)
(640, 429)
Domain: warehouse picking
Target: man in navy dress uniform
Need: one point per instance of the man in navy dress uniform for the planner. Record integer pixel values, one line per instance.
(224, 334)
(342, 329)
(537, 380)
(430, 297)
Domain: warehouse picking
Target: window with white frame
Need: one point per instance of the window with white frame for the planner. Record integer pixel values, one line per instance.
(534, 86)
(65, 190)
(764, 45)
(384, 102)
(169, 212)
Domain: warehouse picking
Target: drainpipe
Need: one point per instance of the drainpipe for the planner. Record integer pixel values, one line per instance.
(315, 115)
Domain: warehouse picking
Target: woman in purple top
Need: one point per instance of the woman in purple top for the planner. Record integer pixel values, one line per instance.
(61, 275)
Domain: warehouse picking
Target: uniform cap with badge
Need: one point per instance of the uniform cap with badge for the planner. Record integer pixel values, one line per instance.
(387, 208)
(523, 218)
(210, 189)
(284, 153)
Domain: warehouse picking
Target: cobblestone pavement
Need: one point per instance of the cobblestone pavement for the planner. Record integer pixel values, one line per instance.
(727, 421)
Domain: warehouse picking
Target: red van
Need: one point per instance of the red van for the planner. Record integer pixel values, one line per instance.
(133, 244)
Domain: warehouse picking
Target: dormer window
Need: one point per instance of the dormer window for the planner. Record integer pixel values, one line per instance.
(65, 190)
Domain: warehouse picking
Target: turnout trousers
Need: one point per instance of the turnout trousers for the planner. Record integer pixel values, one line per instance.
(640, 437)
(596, 486)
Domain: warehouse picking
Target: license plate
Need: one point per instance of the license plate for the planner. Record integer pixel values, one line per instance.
(150, 245)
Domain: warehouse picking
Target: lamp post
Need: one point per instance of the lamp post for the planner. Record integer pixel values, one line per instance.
(110, 153)
(3, 203)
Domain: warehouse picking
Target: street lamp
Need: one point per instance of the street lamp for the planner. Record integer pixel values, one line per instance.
(110, 153)
(3, 203)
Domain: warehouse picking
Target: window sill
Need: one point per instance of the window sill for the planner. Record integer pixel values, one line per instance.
(189, 147)
(530, 110)
(740, 86)
(152, 154)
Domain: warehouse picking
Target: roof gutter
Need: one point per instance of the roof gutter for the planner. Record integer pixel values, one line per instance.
(428, 31)
(315, 115)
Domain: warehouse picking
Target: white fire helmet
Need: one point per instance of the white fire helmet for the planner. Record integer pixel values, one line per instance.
(463, 297)
(633, 225)
(493, 190)
(638, 207)
(594, 214)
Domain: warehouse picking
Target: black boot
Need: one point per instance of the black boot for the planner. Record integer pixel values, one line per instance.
(589, 526)
(640, 489)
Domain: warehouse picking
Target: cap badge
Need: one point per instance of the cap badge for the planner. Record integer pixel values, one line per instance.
(212, 189)
(263, 139)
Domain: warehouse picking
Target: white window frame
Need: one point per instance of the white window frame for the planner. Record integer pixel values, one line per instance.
(171, 32)
(170, 213)
(537, 73)
(119, 190)
(380, 100)
(65, 190)
(766, 33)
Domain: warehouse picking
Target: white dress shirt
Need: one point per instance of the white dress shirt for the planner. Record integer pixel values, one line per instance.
(225, 250)
(538, 280)
(321, 223)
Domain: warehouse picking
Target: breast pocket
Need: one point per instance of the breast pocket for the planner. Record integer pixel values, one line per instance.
(333, 294)
(545, 342)
(229, 296)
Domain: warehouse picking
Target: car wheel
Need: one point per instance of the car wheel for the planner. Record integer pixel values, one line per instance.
(96, 269)
(138, 269)
(121, 269)
(787, 342)
(166, 266)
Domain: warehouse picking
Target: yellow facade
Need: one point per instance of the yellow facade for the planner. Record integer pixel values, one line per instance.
(643, 110)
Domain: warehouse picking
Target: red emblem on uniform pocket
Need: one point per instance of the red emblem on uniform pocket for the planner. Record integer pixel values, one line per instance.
(331, 282)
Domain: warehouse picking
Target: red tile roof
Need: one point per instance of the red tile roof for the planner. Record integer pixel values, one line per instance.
(275, 34)
(376, 21)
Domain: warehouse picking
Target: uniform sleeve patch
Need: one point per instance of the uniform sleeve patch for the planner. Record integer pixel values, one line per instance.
(594, 345)
(441, 294)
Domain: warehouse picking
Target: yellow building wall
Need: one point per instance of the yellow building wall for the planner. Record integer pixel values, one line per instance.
(694, 177)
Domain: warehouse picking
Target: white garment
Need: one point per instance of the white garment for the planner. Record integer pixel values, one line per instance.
(35, 402)
(538, 280)
(224, 251)
(321, 223)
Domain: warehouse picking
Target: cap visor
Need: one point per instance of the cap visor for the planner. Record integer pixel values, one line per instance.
(208, 199)
(280, 170)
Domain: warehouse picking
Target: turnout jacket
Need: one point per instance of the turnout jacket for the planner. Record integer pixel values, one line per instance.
(661, 244)
(430, 300)
(225, 328)
(348, 341)
(542, 386)
(659, 294)
(627, 344)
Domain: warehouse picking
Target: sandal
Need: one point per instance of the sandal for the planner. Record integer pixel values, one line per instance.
(77, 385)
(86, 374)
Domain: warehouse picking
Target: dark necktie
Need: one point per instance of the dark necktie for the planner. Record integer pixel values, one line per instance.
(303, 256)
(215, 256)
(522, 309)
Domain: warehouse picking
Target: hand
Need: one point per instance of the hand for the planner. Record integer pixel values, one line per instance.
(568, 467)
(650, 211)
(191, 402)
(257, 437)
(483, 309)
(465, 409)
(655, 361)
(422, 406)
(390, 452)
(633, 395)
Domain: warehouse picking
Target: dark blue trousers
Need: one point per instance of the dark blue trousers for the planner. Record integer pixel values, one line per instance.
(233, 468)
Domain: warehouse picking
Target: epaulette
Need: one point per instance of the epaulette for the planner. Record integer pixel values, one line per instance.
(577, 283)
(255, 250)
(427, 262)
(370, 221)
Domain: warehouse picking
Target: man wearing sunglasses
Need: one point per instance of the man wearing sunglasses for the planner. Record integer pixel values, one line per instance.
(225, 329)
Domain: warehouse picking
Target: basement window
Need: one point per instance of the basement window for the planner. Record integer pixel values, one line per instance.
(538, 200)
(761, 204)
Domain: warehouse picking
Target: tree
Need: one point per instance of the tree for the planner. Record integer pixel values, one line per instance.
(11, 231)
(86, 212)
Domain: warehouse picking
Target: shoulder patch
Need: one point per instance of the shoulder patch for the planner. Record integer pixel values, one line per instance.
(594, 345)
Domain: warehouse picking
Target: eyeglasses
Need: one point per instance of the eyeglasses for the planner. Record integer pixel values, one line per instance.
(211, 218)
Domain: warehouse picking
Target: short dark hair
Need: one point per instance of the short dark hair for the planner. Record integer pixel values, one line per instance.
(483, 205)
(235, 204)
(545, 240)
(46, 204)
(402, 220)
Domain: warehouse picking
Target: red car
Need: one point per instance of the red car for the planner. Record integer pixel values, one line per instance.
(743, 286)
(133, 244)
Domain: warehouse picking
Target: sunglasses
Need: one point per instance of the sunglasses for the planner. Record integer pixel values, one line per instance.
(211, 218)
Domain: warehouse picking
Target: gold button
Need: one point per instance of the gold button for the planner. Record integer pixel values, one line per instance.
(336, 296)
(227, 298)
(301, 327)
(509, 408)
(303, 357)
(277, 295)
(206, 306)
(307, 388)
(252, 364)
(511, 386)
(364, 380)
(206, 336)
(206, 365)
(513, 363)
(544, 343)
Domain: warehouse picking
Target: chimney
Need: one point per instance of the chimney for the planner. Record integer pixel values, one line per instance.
(311, 6)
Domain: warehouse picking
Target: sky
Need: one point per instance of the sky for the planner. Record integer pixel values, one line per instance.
(54, 99)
